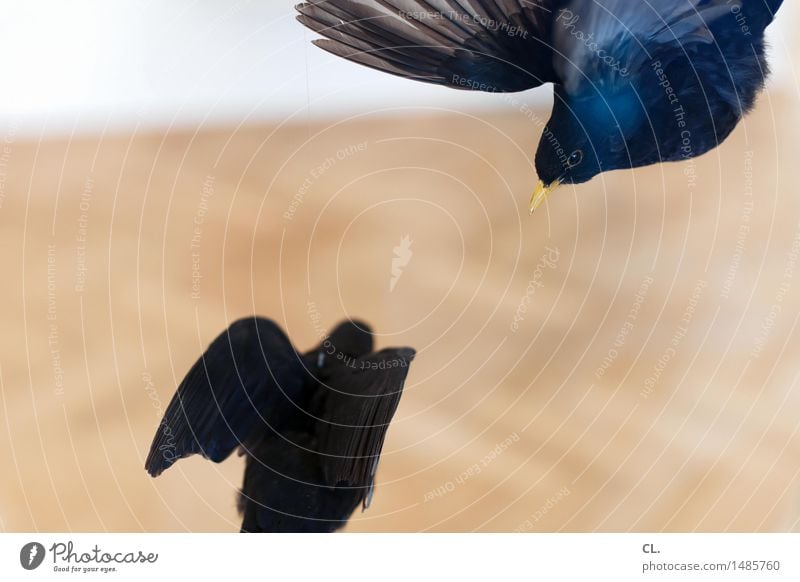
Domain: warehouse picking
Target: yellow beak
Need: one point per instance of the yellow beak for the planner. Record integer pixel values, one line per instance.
(541, 194)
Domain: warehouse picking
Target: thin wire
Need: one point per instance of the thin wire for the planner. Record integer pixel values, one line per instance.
(308, 92)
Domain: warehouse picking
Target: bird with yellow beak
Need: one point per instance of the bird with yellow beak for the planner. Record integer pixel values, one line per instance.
(635, 83)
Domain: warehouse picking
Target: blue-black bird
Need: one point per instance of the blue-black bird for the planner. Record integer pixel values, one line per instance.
(311, 425)
(635, 82)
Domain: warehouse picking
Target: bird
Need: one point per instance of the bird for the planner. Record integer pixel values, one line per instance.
(311, 425)
(634, 83)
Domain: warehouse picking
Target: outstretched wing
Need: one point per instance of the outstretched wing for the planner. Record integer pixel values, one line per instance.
(361, 399)
(247, 379)
(486, 45)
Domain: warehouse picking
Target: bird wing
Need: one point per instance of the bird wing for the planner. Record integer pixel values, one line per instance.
(604, 41)
(362, 397)
(486, 45)
(245, 379)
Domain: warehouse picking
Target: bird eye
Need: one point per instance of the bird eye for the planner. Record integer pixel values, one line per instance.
(575, 158)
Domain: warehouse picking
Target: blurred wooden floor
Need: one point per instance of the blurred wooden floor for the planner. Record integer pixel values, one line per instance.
(651, 381)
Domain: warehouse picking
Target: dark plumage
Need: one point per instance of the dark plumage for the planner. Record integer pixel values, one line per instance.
(636, 83)
(312, 425)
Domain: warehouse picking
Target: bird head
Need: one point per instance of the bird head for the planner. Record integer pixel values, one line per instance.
(587, 134)
(351, 338)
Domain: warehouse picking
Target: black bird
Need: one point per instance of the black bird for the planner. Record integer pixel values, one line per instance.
(636, 83)
(312, 425)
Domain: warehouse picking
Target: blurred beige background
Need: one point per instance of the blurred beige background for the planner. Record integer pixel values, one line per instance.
(626, 359)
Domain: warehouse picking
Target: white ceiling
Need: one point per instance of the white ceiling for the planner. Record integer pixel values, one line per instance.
(85, 65)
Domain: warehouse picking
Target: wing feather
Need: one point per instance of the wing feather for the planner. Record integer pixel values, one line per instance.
(248, 377)
(488, 45)
(362, 397)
